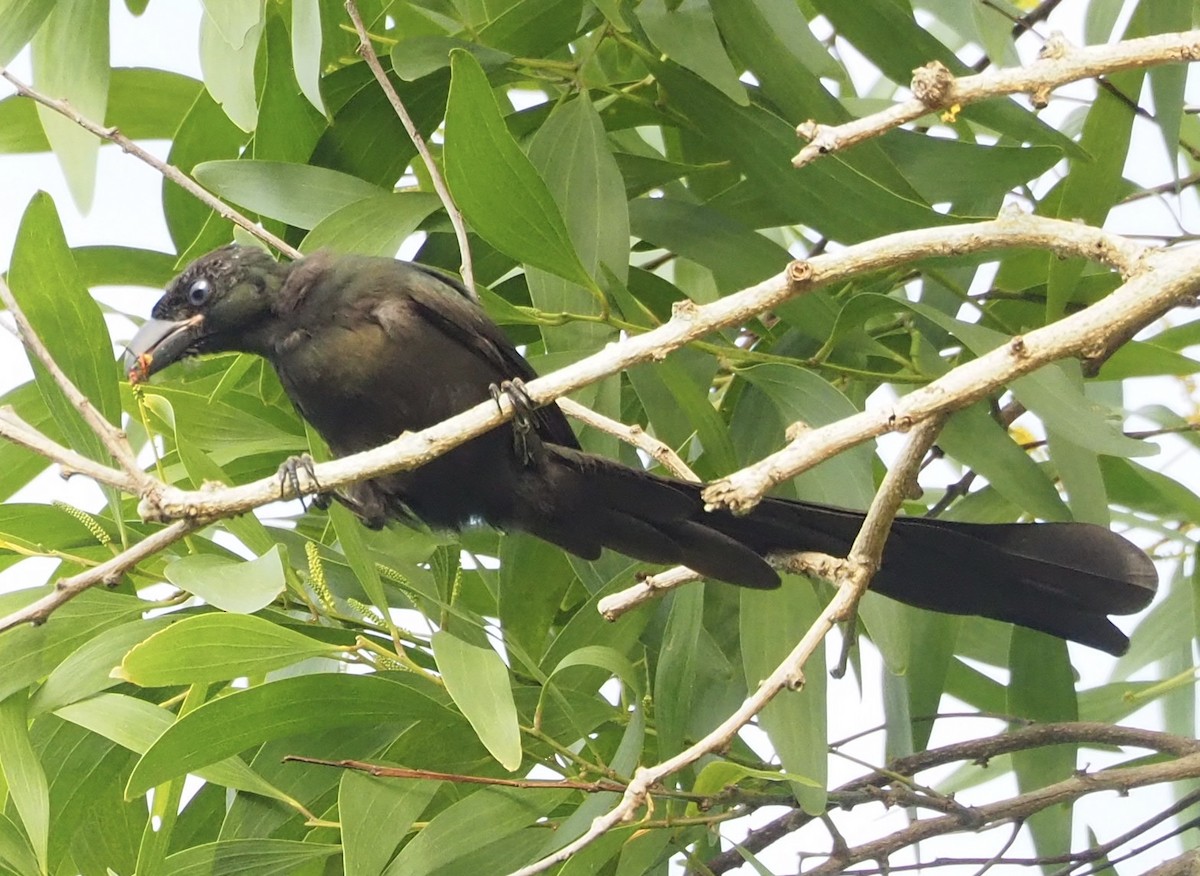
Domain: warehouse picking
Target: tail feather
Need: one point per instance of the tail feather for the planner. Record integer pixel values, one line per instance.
(1060, 578)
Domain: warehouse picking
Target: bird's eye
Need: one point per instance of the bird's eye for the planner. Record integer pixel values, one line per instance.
(199, 292)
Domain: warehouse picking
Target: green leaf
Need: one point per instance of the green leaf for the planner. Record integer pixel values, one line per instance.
(87, 670)
(21, 18)
(49, 289)
(123, 266)
(227, 726)
(24, 776)
(306, 50)
(738, 256)
(135, 724)
(229, 37)
(572, 154)
(419, 56)
(298, 194)
(495, 185)
(944, 170)
(974, 438)
(70, 61)
(205, 133)
(231, 585)
(675, 676)
(486, 817)
(376, 814)
(478, 681)
(14, 848)
(375, 226)
(216, 647)
(686, 33)
(770, 623)
(239, 857)
(1042, 688)
(29, 653)
(1048, 392)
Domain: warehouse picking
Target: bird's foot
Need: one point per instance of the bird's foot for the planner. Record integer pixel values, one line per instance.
(525, 438)
(289, 476)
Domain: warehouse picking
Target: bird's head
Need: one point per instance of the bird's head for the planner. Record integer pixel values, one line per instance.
(214, 306)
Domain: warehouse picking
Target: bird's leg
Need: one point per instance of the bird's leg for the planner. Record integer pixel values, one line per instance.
(289, 476)
(526, 442)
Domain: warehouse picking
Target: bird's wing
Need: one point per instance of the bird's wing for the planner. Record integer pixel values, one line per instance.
(443, 304)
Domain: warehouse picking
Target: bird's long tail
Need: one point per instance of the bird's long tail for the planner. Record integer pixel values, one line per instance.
(1060, 578)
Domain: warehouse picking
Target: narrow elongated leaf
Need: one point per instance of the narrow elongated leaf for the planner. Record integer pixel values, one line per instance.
(686, 33)
(1043, 689)
(50, 291)
(239, 857)
(21, 18)
(229, 36)
(135, 724)
(14, 848)
(297, 194)
(306, 50)
(478, 680)
(216, 647)
(227, 726)
(29, 653)
(70, 60)
(485, 816)
(376, 814)
(24, 776)
(376, 226)
(87, 670)
(494, 183)
(771, 622)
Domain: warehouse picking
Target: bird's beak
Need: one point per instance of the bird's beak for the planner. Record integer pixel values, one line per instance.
(158, 343)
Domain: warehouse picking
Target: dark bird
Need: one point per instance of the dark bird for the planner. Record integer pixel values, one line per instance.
(368, 348)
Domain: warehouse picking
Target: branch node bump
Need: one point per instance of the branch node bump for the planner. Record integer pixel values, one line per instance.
(684, 310)
(795, 680)
(795, 430)
(799, 273)
(933, 85)
(1017, 347)
(1056, 48)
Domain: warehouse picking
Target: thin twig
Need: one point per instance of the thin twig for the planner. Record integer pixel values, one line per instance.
(367, 51)
(174, 174)
(595, 787)
(108, 572)
(1014, 739)
(634, 435)
(1022, 806)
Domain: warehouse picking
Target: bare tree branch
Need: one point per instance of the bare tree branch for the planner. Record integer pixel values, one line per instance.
(108, 572)
(16, 430)
(934, 87)
(872, 786)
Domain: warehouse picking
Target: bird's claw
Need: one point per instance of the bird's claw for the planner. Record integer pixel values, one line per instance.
(289, 476)
(524, 434)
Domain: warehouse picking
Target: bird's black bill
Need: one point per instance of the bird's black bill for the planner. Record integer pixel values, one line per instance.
(158, 343)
